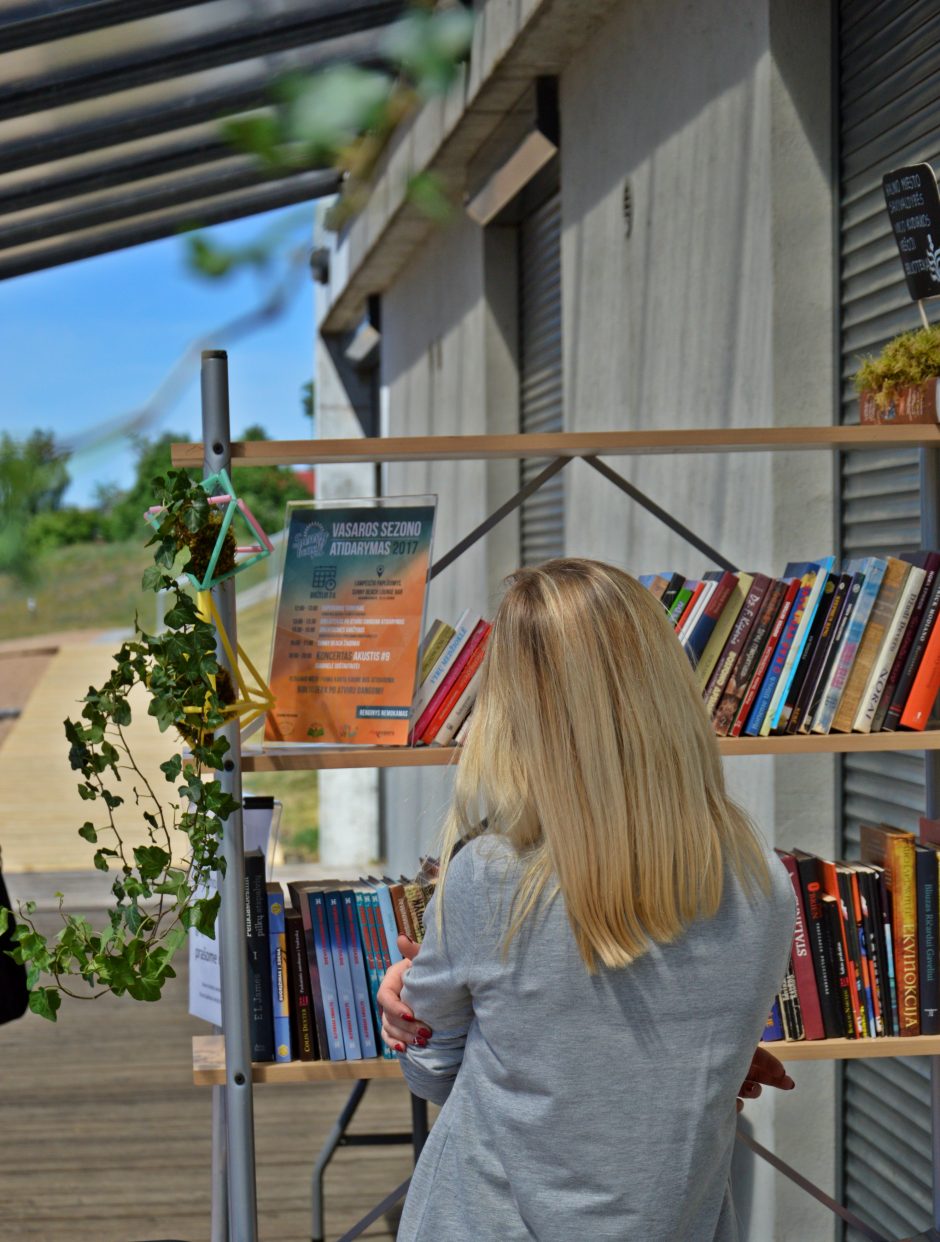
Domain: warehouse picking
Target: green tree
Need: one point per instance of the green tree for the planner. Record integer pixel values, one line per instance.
(33, 478)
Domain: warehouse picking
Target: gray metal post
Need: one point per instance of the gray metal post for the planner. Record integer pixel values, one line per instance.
(239, 1115)
(219, 1231)
(930, 538)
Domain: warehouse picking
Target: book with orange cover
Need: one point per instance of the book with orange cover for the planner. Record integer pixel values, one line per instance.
(893, 849)
(923, 693)
(456, 689)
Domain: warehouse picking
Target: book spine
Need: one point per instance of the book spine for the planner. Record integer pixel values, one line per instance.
(887, 931)
(368, 912)
(923, 693)
(389, 928)
(913, 662)
(818, 656)
(455, 690)
(908, 638)
(743, 665)
(704, 627)
(802, 668)
(927, 926)
(749, 701)
(673, 587)
(478, 635)
(302, 904)
(876, 630)
(874, 573)
(357, 971)
(873, 949)
(773, 1030)
(801, 956)
(298, 979)
(877, 684)
(261, 1013)
(833, 922)
(762, 716)
(834, 884)
(732, 653)
(280, 994)
(823, 953)
(726, 625)
(335, 1044)
(431, 655)
(429, 686)
(900, 865)
(681, 602)
(403, 915)
(348, 1015)
(815, 580)
(697, 604)
(460, 711)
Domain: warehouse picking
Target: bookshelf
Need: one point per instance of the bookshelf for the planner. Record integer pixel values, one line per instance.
(222, 1062)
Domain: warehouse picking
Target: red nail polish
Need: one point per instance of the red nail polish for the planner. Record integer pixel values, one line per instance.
(407, 1017)
(424, 1032)
(399, 1047)
(421, 1043)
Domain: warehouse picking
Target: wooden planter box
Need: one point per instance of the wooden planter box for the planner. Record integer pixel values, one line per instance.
(916, 404)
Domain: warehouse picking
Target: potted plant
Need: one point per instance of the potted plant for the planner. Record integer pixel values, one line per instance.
(159, 887)
(902, 385)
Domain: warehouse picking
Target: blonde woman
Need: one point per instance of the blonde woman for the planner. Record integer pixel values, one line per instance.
(598, 963)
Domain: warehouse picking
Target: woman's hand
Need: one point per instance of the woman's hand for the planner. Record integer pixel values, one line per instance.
(765, 1071)
(399, 1026)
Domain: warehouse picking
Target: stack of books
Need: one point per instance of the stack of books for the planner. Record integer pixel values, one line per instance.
(316, 960)
(449, 677)
(864, 963)
(818, 650)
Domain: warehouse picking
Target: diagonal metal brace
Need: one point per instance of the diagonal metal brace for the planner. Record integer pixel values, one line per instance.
(662, 514)
(379, 1210)
(811, 1189)
(497, 516)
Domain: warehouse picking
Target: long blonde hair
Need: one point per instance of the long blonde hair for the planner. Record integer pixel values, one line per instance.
(591, 753)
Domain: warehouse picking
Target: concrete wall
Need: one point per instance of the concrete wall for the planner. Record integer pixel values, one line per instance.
(716, 309)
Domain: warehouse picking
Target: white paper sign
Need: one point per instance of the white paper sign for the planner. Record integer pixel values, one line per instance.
(259, 816)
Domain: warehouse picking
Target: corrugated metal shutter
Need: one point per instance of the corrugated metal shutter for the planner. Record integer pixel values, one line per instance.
(889, 93)
(542, 525)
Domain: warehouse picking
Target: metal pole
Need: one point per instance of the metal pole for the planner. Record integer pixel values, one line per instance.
(930, 535)
(219, 1223)
(233, 955)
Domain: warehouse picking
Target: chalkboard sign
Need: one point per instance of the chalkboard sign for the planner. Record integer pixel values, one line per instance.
(914, 207)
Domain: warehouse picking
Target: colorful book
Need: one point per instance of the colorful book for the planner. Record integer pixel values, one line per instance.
(814, 579)
(879, 621)
(802, 959)
(348, 1011)
(893, 850)
(822, 950)
(725, 626)
(301, 903)
(682, 600)
(853, 590)
(739, 663)
(303, 1021)
(454, 685)
(923, 693)
(876, 686)
(461, 710)
(930, 563)
(810, 647)
(466, 624)
(773, 1030)
(333, 1047)
(925, 878)
(673, 587)
(357, 971)
(697, 606)
(260, 1008)
(874, 570)
(914, 658)
(700, 634)
(389, 925)
(817, 656)
(280, 995)
(747, 709)
(438, 636)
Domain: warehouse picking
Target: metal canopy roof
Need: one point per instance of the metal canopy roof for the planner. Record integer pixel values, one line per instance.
(109, 114)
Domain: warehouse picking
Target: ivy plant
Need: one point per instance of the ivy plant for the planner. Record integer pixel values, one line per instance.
(160, 887)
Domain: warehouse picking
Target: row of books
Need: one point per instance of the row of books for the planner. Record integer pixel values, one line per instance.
(864, 957)
(316, 960)
(817, 650)
(449, 677)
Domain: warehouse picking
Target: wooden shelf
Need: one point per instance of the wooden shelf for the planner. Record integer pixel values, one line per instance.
(564, 444)
(209, 1067)
(288, 759)
(855, 1049)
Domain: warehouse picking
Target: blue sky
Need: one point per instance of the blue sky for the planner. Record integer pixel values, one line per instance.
(86, 342)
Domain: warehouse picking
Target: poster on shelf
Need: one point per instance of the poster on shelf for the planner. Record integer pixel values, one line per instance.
(261, 817)
(349, 621)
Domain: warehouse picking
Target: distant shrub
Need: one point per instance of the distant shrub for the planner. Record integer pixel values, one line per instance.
(58, 528)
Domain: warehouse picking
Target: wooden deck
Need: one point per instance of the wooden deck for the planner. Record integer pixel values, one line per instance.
(107, 1140)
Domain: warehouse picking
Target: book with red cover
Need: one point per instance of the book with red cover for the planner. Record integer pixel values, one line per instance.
(456, 690)
(822, 948)
(806, 987)
(702, 630)
(923, 692)
(929, 562)
(737, 641)
(849, 949)
(763, 664)
(914, 659)
(480, 630)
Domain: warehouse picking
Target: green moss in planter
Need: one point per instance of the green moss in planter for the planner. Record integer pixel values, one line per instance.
(909, 359)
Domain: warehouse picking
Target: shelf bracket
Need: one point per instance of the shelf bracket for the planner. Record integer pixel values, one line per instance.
(497, 515)
(661, 514)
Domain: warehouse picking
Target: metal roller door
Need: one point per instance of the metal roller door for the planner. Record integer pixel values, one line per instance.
(542, 522)
(889, 92)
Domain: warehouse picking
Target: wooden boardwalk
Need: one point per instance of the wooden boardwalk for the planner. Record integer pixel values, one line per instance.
(105, 1139)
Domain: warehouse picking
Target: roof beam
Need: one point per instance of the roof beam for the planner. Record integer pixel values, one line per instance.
(174, 192)
(275, 32)
(31, 24)
(196, 108)
(298, 189)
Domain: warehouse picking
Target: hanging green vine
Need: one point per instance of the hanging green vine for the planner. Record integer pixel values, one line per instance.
(156, 899)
